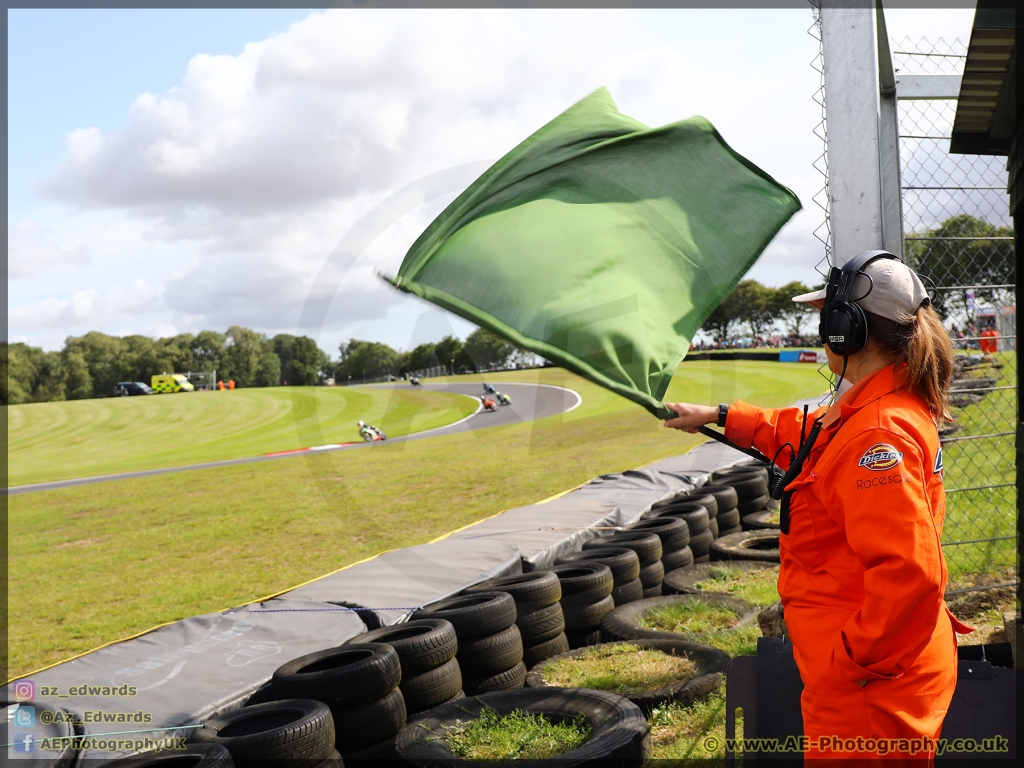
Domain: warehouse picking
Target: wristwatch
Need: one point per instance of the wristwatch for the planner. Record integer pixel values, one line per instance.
(723, 412)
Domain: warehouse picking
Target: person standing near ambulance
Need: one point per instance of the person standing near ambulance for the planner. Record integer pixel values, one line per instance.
(862, 575)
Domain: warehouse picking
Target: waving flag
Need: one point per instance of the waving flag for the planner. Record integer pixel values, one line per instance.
(602, 244)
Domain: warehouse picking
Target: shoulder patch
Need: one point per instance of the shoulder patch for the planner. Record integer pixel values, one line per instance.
(937, 468)
(880, 457)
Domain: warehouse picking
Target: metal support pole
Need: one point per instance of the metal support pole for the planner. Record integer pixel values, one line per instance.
(863, 148)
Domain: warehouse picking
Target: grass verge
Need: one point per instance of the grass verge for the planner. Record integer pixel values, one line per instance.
(95, 563)
(706, 623)
(755, 587)
(619, 668)
(516, 736)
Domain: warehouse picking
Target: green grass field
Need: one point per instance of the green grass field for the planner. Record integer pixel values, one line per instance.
(95, 563)
(80, 438)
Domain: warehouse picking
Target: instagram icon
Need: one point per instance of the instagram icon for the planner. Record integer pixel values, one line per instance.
(24, 690)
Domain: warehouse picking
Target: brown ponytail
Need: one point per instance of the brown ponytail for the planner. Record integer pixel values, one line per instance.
(923, 344)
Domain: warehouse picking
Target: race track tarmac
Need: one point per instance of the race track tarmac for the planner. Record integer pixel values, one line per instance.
(529, 402)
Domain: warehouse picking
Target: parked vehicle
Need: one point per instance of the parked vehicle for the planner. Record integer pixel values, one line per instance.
(171, 382)
(128, 388)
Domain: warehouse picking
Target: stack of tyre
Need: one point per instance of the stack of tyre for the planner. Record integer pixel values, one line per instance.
(586, 598)
(674, 533)
(359, 684)
(624, 565)
(490, 648)
(750, 481)
(430, 673)
(696, 518)
(294, 732)
(726, 518)
(539, 614)
(648, 550)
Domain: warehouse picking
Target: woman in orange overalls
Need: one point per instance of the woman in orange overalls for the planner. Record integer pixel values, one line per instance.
(862, 575)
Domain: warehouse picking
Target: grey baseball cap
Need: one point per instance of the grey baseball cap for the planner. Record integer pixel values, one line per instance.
(887, 288)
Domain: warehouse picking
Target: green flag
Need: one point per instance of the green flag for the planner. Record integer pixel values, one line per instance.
(602, 244)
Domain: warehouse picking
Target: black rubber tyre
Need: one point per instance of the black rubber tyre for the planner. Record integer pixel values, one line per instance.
(372, 756)
(628, 592)
(728, 519)
(730, 531)
(623, 622)
(619, 731)
(750, 506)
(746, 486)
(193, 756)
(500, 681)
(700, 544)
(722, 476)
(697, 520)
(710, 663)
(583, 577)
(421, 645)
(584, 618)
(646, 545)
(673, 532)
(334, 760)
(461, 694)
(759, 521)
(489, 655)
(535, 654)
(436, 686)
(713, 528)
(299, 731)
(624, 563)
(583, 639)
(748, 545)
(651, 575)
(709, 501)
(531, 591)
(667, 508)
(702, 558)
(361, 727)
(350, 675)
(684, 581)
(477, 615)
(540, 626)
(674, 560)
(654, 591)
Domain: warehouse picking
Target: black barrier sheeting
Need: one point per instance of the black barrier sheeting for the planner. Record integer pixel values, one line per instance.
(415, 576)
(637, 490)
(542, 532)
(186, 672)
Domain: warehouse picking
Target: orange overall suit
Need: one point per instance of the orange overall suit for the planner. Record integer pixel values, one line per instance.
(862, 575)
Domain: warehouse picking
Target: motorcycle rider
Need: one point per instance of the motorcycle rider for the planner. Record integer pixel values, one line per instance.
(489, 388)
(503, 399)
(369, 432)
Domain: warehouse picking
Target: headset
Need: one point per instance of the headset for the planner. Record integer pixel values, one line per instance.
(843, 324)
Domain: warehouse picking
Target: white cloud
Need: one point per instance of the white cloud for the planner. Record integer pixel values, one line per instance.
(31, 250)
(246, 175)
(86, 306)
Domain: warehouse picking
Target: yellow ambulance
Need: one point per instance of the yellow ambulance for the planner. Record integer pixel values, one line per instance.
(171, 382)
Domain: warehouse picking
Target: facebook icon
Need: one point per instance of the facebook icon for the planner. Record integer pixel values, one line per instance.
(24, 742)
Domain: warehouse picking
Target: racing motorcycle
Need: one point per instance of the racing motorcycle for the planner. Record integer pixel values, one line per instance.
(489, 388)
(504, 399)
(414, 381)
(489, 404)
(370, 433)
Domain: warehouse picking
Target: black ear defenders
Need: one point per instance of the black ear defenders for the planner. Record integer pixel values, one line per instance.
(843, 324)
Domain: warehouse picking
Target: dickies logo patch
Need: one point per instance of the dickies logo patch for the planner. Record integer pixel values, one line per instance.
(880, 457)
(937, 467)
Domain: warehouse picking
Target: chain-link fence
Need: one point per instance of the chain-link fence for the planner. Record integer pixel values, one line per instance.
(958, 235)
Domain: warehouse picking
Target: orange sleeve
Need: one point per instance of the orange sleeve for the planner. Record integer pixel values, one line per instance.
(767, 430)
(876, 491)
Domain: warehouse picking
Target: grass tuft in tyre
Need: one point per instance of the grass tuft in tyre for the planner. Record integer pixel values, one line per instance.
(619, 733)
(299, 732)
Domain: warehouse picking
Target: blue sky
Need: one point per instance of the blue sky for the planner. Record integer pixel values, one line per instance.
(173, 170)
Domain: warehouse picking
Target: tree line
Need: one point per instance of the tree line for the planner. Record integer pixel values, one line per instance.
(92, 365)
